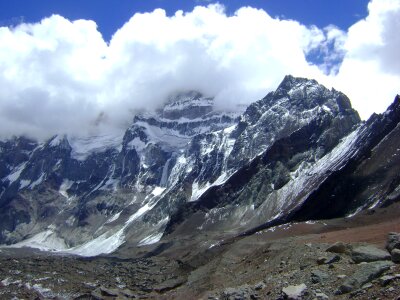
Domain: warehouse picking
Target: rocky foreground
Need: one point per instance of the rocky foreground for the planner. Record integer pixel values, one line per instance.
(355, 258)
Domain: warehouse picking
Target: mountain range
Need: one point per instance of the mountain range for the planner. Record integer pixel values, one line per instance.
(190, 174)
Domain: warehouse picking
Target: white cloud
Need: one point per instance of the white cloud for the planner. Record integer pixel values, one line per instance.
(59, 76)
(370, 72)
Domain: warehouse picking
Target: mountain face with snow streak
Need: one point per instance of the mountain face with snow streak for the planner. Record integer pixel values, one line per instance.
(187, 168)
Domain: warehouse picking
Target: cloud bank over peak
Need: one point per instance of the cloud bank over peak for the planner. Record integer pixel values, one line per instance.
(60, 76)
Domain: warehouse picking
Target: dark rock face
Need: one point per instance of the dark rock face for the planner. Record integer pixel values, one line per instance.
(293, 155)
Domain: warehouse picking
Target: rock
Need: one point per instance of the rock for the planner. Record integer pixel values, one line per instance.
(321, 296)
(385, 280)
(341, 276)
(129, 294)
(318, 276)
(333, 259)
(328, 260)
(96, 294)
(170, 284)
(367, 286)
(104, 293)
(294, 292)
(108, 292)
(393, 241)
(321, 260)
(304, 265)
(242, 292)
(338, 247)
(364, 274)
(259, 286)
(368, 254)
(85, 297)
(396, 256)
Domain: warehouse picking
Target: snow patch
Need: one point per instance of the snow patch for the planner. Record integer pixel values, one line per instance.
(56, 141)
(158, 191)
(45, 241)
(37, 181)
(164, 136)
(151, 239)
(83, 147)
(137, 144)
(198, 190)
(16, 173)
(24, 183)
(64, 187)
(104, 244)
(114, 218)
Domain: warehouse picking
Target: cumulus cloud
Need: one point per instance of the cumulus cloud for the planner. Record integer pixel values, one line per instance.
(370, 71)
(60, 76)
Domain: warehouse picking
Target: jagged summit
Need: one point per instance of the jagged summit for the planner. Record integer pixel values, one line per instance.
(185, 169)
(190, 105)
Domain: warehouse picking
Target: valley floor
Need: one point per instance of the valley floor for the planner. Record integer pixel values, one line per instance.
(259, 266)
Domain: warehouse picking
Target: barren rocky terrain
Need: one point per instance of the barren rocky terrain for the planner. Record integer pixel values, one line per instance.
(333, 259)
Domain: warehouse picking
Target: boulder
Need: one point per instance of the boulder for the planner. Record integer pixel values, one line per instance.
(338, 247)
(294, 292)
(393, 241)
(368, 253)
(364, 274)
(396, 256)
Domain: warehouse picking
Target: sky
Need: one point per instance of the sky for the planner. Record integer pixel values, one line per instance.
(86, 67)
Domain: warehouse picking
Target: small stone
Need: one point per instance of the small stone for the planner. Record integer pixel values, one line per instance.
(108, 292)
(367, 286)
(333, 259)
(303, 266)
(259, 286)
(391, 289)
(242, 292)
(294, 292)
(396, 256)
(385, 280)
(337, 247)
(321, 296)
(318, 276)
(341, 276)
(321, 260)
(128, 293)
